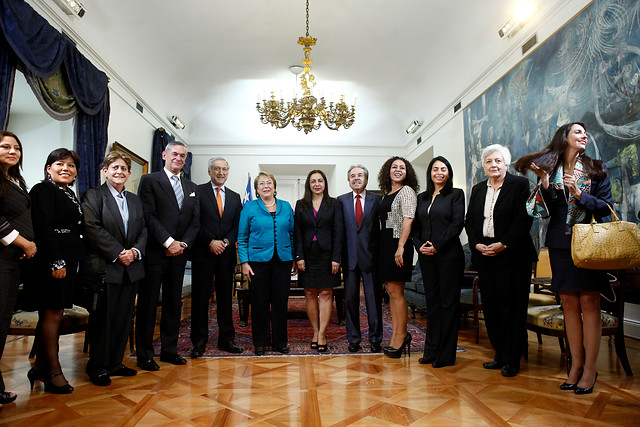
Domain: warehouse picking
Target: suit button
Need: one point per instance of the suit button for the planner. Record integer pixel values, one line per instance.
(81, 236)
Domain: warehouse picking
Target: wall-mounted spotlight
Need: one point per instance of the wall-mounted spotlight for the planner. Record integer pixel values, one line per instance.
(71, 7)
(524, 11)
(413, 127)
(176, 122)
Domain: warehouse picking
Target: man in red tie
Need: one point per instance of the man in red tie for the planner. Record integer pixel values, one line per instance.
(359, 208)
(214, 257)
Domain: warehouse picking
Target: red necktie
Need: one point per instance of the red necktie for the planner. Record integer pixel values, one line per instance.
(358, 210)
(219, 200)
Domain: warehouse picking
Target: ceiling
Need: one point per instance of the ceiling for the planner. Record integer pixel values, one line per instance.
(207, 61)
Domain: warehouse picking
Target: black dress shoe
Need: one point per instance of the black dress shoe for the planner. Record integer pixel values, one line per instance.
(101, 379)
(376, 347)
(173, 358)
(509, 371)
(567, 386)
(283, 350)
(259, 351)
(438, 364)
(197, 351)
(494, 364)
(426, 360)
(230, 347)
(354, 347)
(148, 365)
(583, 390)
(6, 397)
(123, 371)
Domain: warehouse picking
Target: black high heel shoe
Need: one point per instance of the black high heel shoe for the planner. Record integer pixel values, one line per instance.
(56, 389)
(34, 376)
(395, 353)
(566, 386)
(583, 390)
(314, 345)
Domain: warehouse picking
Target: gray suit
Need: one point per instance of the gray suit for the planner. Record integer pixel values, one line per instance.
(359, 262)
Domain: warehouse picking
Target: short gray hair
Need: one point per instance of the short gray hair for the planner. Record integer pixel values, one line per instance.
(213, 159)
(352, 167)
(174, 144)
(504, 152)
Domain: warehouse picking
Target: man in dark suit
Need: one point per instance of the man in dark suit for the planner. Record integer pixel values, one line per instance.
(116, 240)
(361, 228)
(172, 212)
(214, 255)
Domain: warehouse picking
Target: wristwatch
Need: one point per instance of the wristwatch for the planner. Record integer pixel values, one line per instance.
(225, 241)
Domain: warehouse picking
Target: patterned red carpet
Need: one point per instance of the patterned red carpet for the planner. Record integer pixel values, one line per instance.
(300, 333)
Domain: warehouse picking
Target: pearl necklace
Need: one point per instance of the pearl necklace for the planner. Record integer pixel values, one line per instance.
(274, 202)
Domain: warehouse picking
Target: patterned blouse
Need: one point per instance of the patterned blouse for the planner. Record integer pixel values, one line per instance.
(403, 206)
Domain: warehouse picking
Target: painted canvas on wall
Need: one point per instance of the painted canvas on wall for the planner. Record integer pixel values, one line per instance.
(589, 71)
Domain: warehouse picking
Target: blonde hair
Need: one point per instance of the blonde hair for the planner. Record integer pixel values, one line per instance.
(113, 156)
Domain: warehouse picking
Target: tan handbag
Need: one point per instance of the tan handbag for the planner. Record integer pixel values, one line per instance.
(606, 246)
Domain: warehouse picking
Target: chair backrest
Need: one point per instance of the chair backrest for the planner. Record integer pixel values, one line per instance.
(543, 266)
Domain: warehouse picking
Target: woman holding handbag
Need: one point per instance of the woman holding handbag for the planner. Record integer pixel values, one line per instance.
(572, 187)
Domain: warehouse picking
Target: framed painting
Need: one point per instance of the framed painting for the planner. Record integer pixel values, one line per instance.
(139, 167)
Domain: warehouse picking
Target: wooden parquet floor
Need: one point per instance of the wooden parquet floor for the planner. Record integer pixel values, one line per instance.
(353, 390)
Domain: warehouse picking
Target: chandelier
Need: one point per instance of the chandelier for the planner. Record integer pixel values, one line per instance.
(307, 113)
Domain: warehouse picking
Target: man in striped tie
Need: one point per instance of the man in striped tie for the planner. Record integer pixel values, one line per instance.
(172, 212)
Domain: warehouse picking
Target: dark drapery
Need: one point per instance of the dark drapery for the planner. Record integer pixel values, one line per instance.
(42, 50)
(7, 78)
(160, 140)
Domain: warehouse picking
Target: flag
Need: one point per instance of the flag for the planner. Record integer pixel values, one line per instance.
(248, 196)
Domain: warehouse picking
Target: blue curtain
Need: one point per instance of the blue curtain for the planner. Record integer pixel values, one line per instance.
(7, 77)
(160, 140)
(42, 50)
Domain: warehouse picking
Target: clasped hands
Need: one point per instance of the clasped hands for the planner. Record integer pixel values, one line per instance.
(492, 249)
(217, 246)
(428, 249)
(175, 248)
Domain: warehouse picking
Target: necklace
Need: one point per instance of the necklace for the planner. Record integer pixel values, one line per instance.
(274, 202)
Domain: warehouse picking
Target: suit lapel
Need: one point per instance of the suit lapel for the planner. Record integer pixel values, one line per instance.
(112, 206)
(210, 196)
(165, 183)
(504, 190)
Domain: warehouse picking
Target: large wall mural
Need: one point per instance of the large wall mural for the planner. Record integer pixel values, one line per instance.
(589, 71)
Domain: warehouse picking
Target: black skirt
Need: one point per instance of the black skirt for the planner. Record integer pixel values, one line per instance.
(569, 278)
(317, 274)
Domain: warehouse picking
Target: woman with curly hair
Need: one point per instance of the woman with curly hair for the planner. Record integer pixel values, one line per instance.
(397, 179)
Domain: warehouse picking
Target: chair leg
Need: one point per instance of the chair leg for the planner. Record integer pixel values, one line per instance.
(34, 347)
(621, 352)
(540, 339)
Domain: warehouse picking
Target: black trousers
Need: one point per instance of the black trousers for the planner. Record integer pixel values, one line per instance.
(171, 277)
(505, 294)
(9, 283)
(109, 326)
(442, 282)
(203, 274)
(269, 294)
(373, 300)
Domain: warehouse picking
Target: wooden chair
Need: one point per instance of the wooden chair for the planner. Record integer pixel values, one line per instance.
(470, 300)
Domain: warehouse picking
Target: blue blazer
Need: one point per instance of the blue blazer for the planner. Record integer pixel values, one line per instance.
(256, 232)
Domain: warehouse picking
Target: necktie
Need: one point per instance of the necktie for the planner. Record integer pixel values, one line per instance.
(124, 210)
(177, 188)
(219, 200)
(358, 210)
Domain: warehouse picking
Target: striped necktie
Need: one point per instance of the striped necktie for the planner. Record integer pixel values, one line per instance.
(177, 188)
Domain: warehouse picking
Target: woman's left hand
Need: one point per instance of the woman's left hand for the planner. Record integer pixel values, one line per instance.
(570, 183)
(294, 268)
(398, 256)
(335, 266)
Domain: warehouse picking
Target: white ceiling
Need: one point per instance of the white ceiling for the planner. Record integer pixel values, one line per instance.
(207, 60)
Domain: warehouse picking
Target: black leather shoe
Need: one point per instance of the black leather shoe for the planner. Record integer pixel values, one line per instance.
(101, 379)
(283, 350)
(197, 351)
(174, 359)
(7, 397)
(583, 390)
(123, 371)
(354, 347)
(494, 364)
(426, 360)
(148, 365)
(376, 347)
(259, 351)
(438, 364)
(567, 386)
(509, 371)
(230, 347)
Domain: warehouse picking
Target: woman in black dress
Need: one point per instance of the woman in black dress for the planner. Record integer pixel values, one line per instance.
(573, 187)
(436, 229)
(16, 235)
(398, 180)
(58, 224)
(318, 232)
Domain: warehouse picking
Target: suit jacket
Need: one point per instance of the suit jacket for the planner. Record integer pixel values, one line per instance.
(165, 219)
(15, 214)
(441, 225)
(213, 227)
(58, 225)
(106, 237)
(327, 226)
(594, 203)
(256, 232)
(511, 221)
(361, 243)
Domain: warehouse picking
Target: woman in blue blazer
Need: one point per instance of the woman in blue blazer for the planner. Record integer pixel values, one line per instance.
(265, 243)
